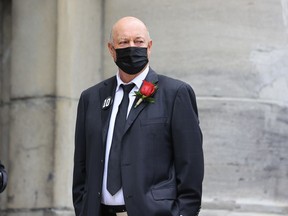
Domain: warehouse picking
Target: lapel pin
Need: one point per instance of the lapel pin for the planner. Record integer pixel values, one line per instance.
(107, 103)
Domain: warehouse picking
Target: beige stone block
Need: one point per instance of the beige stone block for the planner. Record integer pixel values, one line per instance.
(41, 212)
(4, 146)
(245, 145)
(271, 68)
(25, 213)
(205, 212)
(33, 62)
(31, 155)
(64, 151)
(5, 51)
(60, 212)
(79, 49)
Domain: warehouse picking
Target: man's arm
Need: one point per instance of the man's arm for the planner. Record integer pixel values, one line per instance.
(3, 178)
(79, 174)
(188, 152)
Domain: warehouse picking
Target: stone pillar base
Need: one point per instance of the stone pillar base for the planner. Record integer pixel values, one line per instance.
(38, 212)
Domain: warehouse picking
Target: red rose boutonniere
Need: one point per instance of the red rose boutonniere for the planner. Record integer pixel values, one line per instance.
(146, 92)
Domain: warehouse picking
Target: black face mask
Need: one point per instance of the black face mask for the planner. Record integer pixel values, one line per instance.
(131, 60)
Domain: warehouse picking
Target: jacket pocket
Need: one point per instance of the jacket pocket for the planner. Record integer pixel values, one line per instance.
(168, 193)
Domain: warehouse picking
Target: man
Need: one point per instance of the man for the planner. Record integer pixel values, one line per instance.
(3, 178)
(159, 153)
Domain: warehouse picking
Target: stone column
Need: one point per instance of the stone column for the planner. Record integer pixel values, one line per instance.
(32, 106)
(5, 54)
(79, 59)
(56, 53)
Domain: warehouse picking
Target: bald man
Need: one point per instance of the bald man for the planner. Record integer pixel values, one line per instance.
(138, 144)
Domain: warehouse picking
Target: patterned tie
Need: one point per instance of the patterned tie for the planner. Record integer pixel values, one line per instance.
(114, 182)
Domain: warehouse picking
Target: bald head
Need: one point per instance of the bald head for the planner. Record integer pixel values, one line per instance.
(127, 26)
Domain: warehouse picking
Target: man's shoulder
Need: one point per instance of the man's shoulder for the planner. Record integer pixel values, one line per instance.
(172, 83)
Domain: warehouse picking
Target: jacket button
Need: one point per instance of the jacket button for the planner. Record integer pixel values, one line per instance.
(99, 194)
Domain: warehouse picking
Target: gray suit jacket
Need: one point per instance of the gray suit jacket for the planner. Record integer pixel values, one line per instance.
(162, 158)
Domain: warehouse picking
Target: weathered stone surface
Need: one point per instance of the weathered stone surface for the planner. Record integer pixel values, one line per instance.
(64, 151)
(39, 212)
(31, 153)
(237, 49)
(5, 55)
(60, 212)
(33, 60)
(245, 145)
(79, 66)
(4, 148)
(79, 51)
(233, 213)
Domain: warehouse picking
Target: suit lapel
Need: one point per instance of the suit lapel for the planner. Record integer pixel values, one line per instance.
(108, 90)
(134, 112)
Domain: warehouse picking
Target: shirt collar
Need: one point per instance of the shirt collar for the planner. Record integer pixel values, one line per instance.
(137, 80)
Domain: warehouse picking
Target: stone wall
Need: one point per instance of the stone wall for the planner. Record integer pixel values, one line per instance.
(233, 53)
(5, 56)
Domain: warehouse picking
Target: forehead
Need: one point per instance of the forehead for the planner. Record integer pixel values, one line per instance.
(130, 30)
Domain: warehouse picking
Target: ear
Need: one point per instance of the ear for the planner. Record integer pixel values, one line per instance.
(112, 50)
(149, 48)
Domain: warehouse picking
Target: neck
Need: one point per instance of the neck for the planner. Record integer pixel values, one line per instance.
(126, 78)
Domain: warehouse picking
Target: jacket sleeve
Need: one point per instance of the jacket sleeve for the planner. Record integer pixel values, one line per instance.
(188, 152)
(3, 178)
(79, 173)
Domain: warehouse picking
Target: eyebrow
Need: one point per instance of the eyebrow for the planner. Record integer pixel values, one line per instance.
(127, 38)
(140, 37)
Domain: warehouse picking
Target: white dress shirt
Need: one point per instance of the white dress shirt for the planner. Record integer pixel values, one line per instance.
(118, 198)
